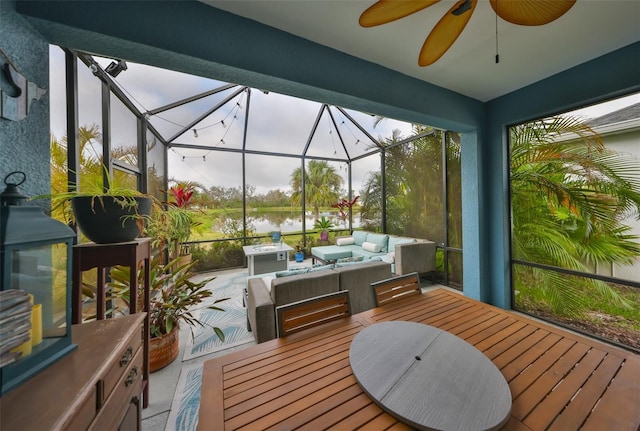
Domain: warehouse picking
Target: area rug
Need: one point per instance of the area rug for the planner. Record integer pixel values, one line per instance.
(186, 401)
(232, 321)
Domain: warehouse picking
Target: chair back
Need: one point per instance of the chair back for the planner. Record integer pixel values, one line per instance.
(312, 312)
(396, 288)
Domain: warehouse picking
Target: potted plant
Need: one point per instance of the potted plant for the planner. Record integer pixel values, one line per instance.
(324, 224)
(171, 223)
(173, 299)
(299, 254)
(104, 214)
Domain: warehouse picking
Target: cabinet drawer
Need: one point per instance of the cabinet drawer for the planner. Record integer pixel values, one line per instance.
(115, 406)
(116, 370)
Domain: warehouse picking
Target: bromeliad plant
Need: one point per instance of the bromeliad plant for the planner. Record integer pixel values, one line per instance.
(345, 206)
(173, 296)
(171, 223)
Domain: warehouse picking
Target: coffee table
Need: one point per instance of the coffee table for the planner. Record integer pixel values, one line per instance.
(428, 378)
(267, 257)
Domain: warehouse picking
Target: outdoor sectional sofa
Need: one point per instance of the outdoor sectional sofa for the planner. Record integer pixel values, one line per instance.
(265, 292)
(406, 254)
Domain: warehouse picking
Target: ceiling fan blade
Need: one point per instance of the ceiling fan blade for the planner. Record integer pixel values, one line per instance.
(385, 11)
(531, 12)
(444, 34)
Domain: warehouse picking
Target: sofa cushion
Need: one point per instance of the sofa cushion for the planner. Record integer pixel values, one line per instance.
(345, 241)
(381, 239)
(286, 290)
(359, 236)
(356, 277)
(333, 252)
(393, 240)
(298, 271)
(371, 246)
(367, 255)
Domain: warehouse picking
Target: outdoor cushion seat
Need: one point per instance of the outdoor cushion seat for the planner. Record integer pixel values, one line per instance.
(359, 252)
(333, 252)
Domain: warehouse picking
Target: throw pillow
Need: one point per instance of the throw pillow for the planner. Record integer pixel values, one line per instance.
(351, 259)
(389, 258)
(369, 246)
(345, 241)
(291, 272)
(304, 270)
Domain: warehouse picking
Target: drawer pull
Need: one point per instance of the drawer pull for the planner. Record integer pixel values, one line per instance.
(131, 378)
(126, 357)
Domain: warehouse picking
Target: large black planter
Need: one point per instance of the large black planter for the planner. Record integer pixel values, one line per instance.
(104, 221)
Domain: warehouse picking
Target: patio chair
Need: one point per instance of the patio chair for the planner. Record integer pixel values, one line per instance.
(312, 312)
(396, 288)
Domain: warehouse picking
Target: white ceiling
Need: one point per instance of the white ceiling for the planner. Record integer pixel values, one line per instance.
(588, 30)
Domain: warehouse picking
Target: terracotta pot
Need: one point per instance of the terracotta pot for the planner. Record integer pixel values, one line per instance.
(164, 350)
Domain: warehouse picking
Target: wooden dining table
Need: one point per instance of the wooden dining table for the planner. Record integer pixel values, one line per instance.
(558, 379)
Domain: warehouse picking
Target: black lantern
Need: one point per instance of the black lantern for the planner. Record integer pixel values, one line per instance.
(35, 257)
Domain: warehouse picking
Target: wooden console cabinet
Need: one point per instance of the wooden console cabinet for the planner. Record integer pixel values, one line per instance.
(102, 256)
(96, 387)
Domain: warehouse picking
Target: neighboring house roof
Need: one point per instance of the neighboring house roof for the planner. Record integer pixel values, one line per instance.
(625, 114)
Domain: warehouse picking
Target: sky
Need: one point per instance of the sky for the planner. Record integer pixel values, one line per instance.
(277, 123)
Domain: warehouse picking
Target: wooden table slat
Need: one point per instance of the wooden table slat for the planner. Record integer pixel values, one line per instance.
(523, 361)
(515, 345)
(255, 376)
(623, 395)
(273, 351)
(384, 422)
(584, 401)
(246, 390)
(327, 412)
(495, 334)
(511, 343)
(360, 417)
(549, 407)
(533, 372)
(280, 409)
(295, 389)
(547, 381)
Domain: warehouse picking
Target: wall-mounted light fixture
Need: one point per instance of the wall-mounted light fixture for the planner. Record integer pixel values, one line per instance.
(114, 68)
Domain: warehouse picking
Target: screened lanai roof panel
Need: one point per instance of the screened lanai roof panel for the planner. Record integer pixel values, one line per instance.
(326, 142)
(149, 88)
(222, 120)
(279, 123)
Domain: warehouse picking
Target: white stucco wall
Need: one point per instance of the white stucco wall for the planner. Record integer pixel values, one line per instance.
(627, 143)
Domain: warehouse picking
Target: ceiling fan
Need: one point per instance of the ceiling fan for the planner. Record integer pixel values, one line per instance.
(447, 30)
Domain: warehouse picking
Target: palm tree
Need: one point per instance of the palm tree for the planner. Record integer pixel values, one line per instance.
(321, 186)
(569, 194)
